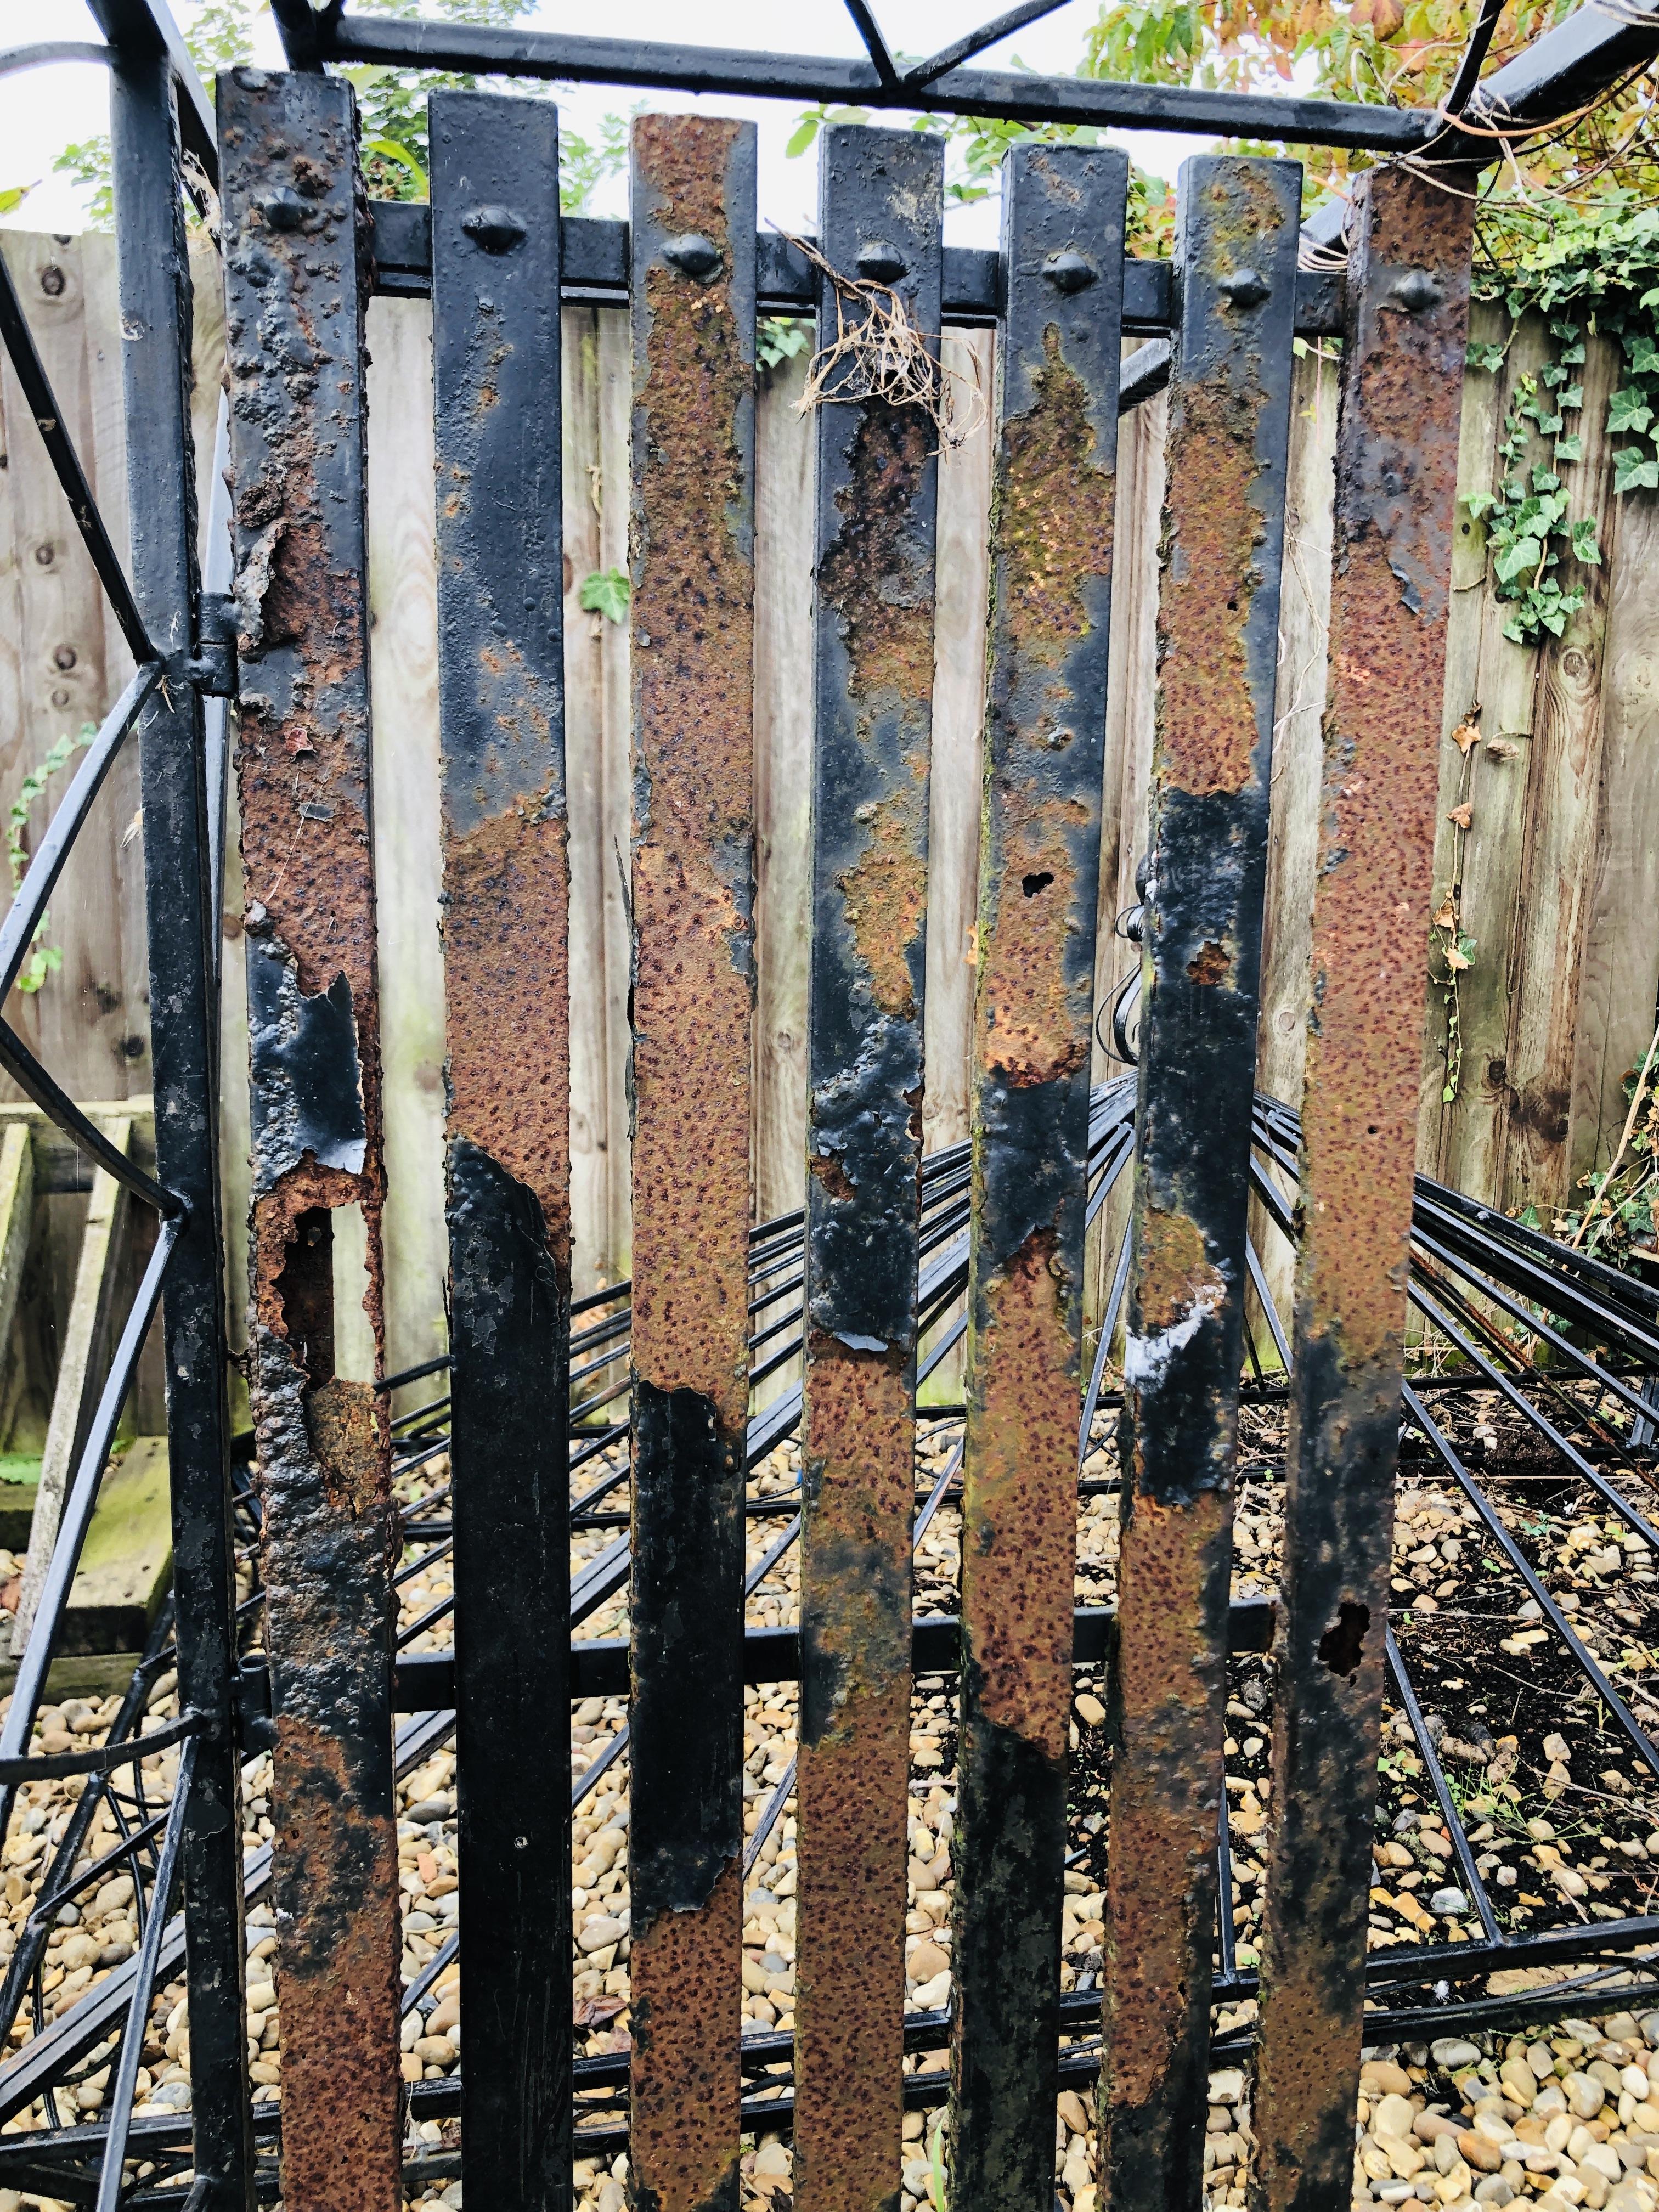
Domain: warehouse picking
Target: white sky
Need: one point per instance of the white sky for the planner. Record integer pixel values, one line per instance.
(43, 110)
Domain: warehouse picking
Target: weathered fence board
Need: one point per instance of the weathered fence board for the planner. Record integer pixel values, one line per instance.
(1525, 854)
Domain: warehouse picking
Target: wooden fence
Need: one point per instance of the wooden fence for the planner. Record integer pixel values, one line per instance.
(1560, 868)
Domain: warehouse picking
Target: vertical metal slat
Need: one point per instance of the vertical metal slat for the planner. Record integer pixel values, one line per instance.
(1229, 391)
(1396, 482)
(495, 250)
(295, 276)
(183, 928)
(880, 199)
(1063, 212)
(693, 304)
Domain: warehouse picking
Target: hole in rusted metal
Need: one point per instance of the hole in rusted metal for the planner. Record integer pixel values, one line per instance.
(1032, 884)
(1209, 965)
(1342, 1645)
(354, 1333)
(304, 1290)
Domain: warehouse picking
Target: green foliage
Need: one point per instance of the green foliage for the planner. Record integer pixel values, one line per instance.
(13, 196)
(779, 338)
(42, 958)
(90, 165)
(607, 591)
(1589, 272)
(1617, 1220)
(585, 163)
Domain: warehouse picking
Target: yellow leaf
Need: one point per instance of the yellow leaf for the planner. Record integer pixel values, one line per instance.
(1459, 815)
(1455, 960)
(1447, 917)
(1465, 734)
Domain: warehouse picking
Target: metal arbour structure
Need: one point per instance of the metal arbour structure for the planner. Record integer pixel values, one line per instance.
(887, 1243)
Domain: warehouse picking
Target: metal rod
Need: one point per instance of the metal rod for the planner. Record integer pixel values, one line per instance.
(38, 398)
(132, 2035)
(1229, 406)
(880, 208)
(693, 184)
(425, 44)
(1051, 556)
(975, 42)
(47, 861)
(494, 172)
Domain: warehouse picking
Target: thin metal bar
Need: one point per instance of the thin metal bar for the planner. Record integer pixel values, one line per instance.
(45, 52)
(1474, 56)
(39, 397)
(31, 1681)
(1269, 1309)
(125, 2083)
(1051, 581)
(495, 361)
(1223, 521)
(693, 320)
(1396, 479)
(47, 862)
(874, 44)
(295, 256)
(1021, 97)
(27, 1073)
(880, 200)
(975, 42)
(1414, 1711)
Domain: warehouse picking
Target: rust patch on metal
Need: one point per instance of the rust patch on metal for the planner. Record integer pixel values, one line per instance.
(886, 893)
(1173, 1578)
(1173, 1278)
(878, 582)
(1210, 964)
(693, 659)
(507, 971)
(1018, 1542)
(683, 1977)
(1396, 503)
(1054, 519)
(1207, 721)
(1033, 1023)
(337, 1980)
(859, 1460)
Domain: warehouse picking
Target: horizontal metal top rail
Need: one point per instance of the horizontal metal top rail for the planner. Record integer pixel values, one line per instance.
(597, 257)
(1572, 64)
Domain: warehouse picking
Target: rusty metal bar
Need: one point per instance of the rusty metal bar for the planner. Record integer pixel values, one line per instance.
(880, 202)
(693, 305)
(1396, 482)
(1223, 521)
(1063, 211)
(295, 280)
(496, 373)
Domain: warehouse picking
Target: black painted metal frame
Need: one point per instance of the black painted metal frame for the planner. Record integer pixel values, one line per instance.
(1467, 1265)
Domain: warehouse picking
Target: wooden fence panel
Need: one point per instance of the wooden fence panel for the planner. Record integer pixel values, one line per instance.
(1557, 877)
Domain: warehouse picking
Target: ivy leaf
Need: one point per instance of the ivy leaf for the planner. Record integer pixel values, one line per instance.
(1479, 355)
(1478, 502)
(607, 591)
(1644, 352)
(1628, 409)
(1634, 471)
(1572, 396)
(1545, 480)
(1585, 545)
(1517, 559)
(1570, 449)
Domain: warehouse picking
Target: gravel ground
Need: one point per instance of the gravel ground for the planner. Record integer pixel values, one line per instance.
(1565, 1822)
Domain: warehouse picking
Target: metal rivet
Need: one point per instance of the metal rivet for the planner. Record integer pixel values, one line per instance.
(693, 255)
(283, 210)
(1069, 271)
(1245, 287)
(496, 229)
(880, 261)
(1417, 291)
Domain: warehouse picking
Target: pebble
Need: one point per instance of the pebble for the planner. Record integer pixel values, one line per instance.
(1452, 2053)
(1449, 1904)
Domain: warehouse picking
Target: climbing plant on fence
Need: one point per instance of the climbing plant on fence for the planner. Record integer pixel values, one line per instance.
(1591, 272)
